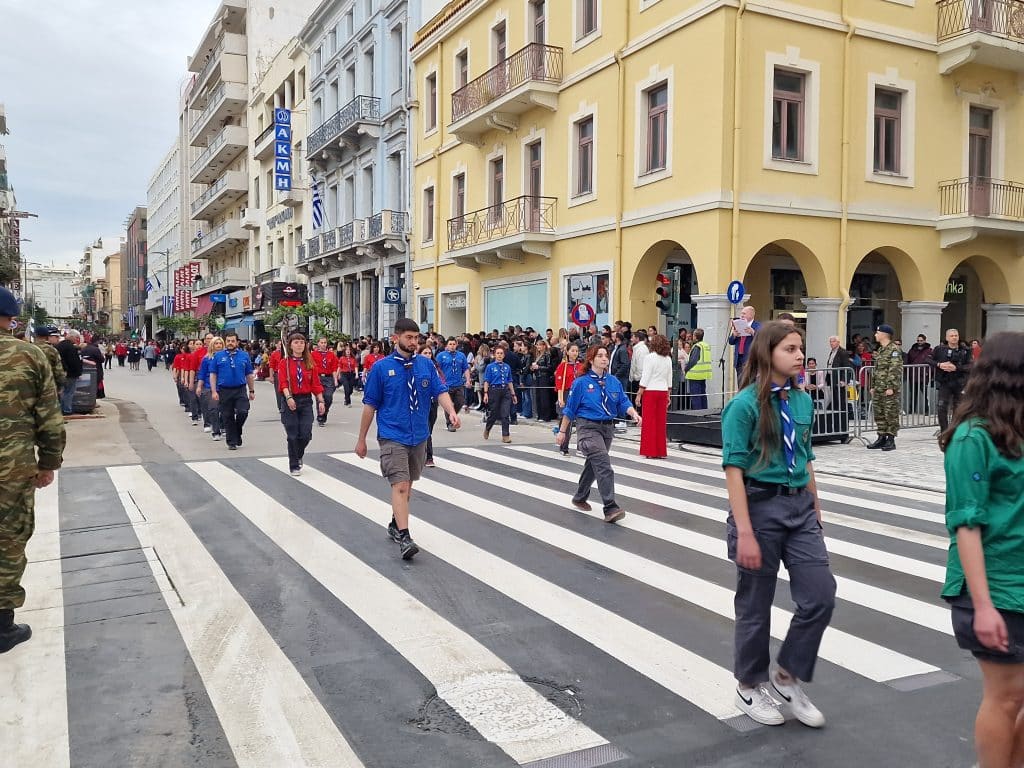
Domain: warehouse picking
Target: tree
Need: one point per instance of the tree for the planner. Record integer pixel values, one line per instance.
(320, 314)
(184, 325)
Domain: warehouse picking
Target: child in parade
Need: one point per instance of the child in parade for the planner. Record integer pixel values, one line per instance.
(570, 369)
(427, 351)
(775, 517)
(498, 394)
(299, 383)
(348, 365)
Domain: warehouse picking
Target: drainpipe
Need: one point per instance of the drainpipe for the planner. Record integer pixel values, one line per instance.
(737, 134)
(844, 192)
(620, 167)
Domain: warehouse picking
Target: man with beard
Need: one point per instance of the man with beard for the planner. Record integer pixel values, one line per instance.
(398, 392)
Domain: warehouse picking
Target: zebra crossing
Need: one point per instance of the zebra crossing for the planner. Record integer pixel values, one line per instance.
(265, 620)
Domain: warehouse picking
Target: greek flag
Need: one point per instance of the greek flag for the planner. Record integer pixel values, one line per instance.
(149, 285)
(168, 306)
(131, 317)
(318, 205)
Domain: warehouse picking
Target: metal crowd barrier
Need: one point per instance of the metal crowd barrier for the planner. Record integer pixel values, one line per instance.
(917, 398)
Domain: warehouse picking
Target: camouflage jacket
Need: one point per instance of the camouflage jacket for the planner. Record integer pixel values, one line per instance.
(888, 368)
(59, 376)
(30, 414)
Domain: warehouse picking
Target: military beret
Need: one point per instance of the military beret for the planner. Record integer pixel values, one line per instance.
(886, 328)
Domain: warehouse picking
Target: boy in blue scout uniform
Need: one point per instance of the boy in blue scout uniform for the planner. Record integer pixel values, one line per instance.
(595, 400)
(455, 367)
(398, 392)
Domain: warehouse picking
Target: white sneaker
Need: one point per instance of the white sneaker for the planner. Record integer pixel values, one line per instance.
(759, 706)
(216, 437)
(793, 696)
(207, 429)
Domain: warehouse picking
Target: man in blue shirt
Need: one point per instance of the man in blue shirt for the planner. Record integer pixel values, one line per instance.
(232, 370)
(455, 368)
(398, 391)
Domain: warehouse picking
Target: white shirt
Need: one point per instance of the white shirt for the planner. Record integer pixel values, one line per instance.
(636, 366)
(657, 373)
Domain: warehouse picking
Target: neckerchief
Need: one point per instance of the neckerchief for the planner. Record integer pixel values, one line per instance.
(414, 403)
(604, 393)
(298, 370)
(788, 427)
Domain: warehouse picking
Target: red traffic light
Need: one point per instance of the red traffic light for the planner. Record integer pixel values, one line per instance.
(663, 278)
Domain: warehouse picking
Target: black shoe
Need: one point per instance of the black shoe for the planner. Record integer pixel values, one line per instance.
(393, 532)
(232, 447)
(12, 634)
(890, 443)
(879, 443)
(408, 546)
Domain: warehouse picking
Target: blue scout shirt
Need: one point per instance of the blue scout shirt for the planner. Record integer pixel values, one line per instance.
(598, 398)
(454, 366)
(231, 368)
(498, 375)
(387, 391)
(205, 369)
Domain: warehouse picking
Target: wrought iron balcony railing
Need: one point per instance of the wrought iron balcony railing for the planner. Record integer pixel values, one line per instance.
(385, 223)
(1003, 18)
(266, 132)
(300, 253)
(360, 109)
(518, 216)
(982, 197)
(536, 62)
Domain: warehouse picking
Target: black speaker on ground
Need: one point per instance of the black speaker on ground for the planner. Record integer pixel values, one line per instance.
(704, 427)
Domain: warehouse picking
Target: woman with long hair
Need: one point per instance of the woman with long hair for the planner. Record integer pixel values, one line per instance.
(480, 362)
(775, 516)
(566, 373)
(595, 401)
(652, 394)
(427, 351)
(543, 381)
(211, 410)
(299, 383)
(984, 447)
(348, 364)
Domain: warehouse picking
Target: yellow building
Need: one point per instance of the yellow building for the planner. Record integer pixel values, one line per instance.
(845, 159)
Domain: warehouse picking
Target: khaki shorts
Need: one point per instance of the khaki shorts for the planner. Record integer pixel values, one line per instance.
(402, 463)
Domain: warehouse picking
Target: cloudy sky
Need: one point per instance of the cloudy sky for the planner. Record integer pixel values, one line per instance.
(91, 93)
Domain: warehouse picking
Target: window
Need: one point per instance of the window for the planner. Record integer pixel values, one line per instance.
(538, 21)
(888, 110)
(461, 68)
(788, 115)
(584, 176)
(397, 58)
(428, 215)
(497, 190)
(657, 128)
(586, 18)
(459, 196)
(500, 43)
(430, 114)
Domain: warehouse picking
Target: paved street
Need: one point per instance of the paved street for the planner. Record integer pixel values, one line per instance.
(193, 607)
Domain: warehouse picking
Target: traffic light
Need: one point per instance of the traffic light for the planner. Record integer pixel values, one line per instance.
(668, 292)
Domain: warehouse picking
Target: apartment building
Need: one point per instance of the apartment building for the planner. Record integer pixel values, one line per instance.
(843, 158)
(134, 267)
(165, 226)
(52, 288)
(357, 149)
(92, 278)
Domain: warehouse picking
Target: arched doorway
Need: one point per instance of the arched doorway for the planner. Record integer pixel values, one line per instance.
(642, 296)
(779, 276)
(975, 281)
(877, 287)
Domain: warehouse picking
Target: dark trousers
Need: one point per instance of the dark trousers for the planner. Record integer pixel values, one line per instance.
(431, 420)
(328, 385)
(499, 402)
(298, 428)
(697, 391)
(194, 406)
(150, 362)
(544, 398)
(182, 395)
(787, 530)
(234, 410)
(348, 383)
(211, 412)
(279, 397)
(458, 396)
(593, 439)
(947, 400)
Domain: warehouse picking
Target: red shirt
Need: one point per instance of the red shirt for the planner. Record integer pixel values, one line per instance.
(288, 378)
(370, 360)
(347, 364)
(179, 362)
(326, 363)
(120, 349)
(566, 374)
(197, 359)
(275, 361)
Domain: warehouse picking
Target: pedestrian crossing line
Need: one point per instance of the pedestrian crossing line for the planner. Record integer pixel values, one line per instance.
(685, 674)
(267, 711)
(721, 493)
(477, 684)
(35, 732)
(712, 513)
(823, 494)
(837, 647)
(927, 615)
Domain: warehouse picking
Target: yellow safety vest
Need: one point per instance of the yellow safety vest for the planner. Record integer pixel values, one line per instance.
(702, 370)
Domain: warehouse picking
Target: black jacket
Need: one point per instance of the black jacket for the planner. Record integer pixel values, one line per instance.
(620, 362)
(841, 360)
(70, 358)
(960, 357)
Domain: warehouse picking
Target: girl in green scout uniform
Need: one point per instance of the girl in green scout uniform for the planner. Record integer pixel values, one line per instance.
(984, 449)
(775, 517)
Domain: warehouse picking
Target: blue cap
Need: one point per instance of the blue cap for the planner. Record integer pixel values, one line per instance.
(8, 304)
(886, 328)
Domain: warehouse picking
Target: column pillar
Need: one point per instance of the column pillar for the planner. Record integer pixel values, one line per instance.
(822, 322)
(921, 317)
(1003, 317)
(713, 315)
(333, 295)
(347, 287)
(366, 304)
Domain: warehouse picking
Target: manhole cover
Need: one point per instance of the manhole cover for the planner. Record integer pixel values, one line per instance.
(486, 698)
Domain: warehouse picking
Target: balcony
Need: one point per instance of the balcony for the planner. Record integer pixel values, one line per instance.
(986, 32)
(290, 198)
(528, 78)
(263, 146)
(226, 62)
(221, 240)
(337, 243)
(230, 279)
(222, 151)
(506, 231)
(221, 195)
(229, 18)
(976, 206)
(227, 102)
(388, 227)
(360, 117)
(253, 218)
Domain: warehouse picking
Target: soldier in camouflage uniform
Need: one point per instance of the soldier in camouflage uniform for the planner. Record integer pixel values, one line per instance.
(885, 388)
(43, 335)
(30, 419)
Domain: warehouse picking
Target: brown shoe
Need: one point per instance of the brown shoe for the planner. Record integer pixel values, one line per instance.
(614, 516)
(487, 433)
(506, 439)
(582, 506)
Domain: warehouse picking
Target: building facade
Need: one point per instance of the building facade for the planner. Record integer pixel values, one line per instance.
(91, 282)
(110, 315)
(357, 150)
(164, 237)
(135, 269)
(844, 159)
(53, 289)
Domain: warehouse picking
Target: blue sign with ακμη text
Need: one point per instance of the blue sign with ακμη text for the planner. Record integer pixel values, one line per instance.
(282, 149)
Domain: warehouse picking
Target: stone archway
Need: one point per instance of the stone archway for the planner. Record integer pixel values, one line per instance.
(973, 282)
(880, 282)
(664, 253)
(779, 275)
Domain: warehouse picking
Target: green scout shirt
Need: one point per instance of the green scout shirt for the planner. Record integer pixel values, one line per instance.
(983, 490)
(741, 433)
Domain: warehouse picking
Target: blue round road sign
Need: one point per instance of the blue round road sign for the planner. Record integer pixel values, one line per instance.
(735, 292)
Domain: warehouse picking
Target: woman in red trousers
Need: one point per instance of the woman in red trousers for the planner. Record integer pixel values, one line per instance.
(655, 384)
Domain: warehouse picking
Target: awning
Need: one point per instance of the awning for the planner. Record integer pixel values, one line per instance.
(231, 324)
(247, 320)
